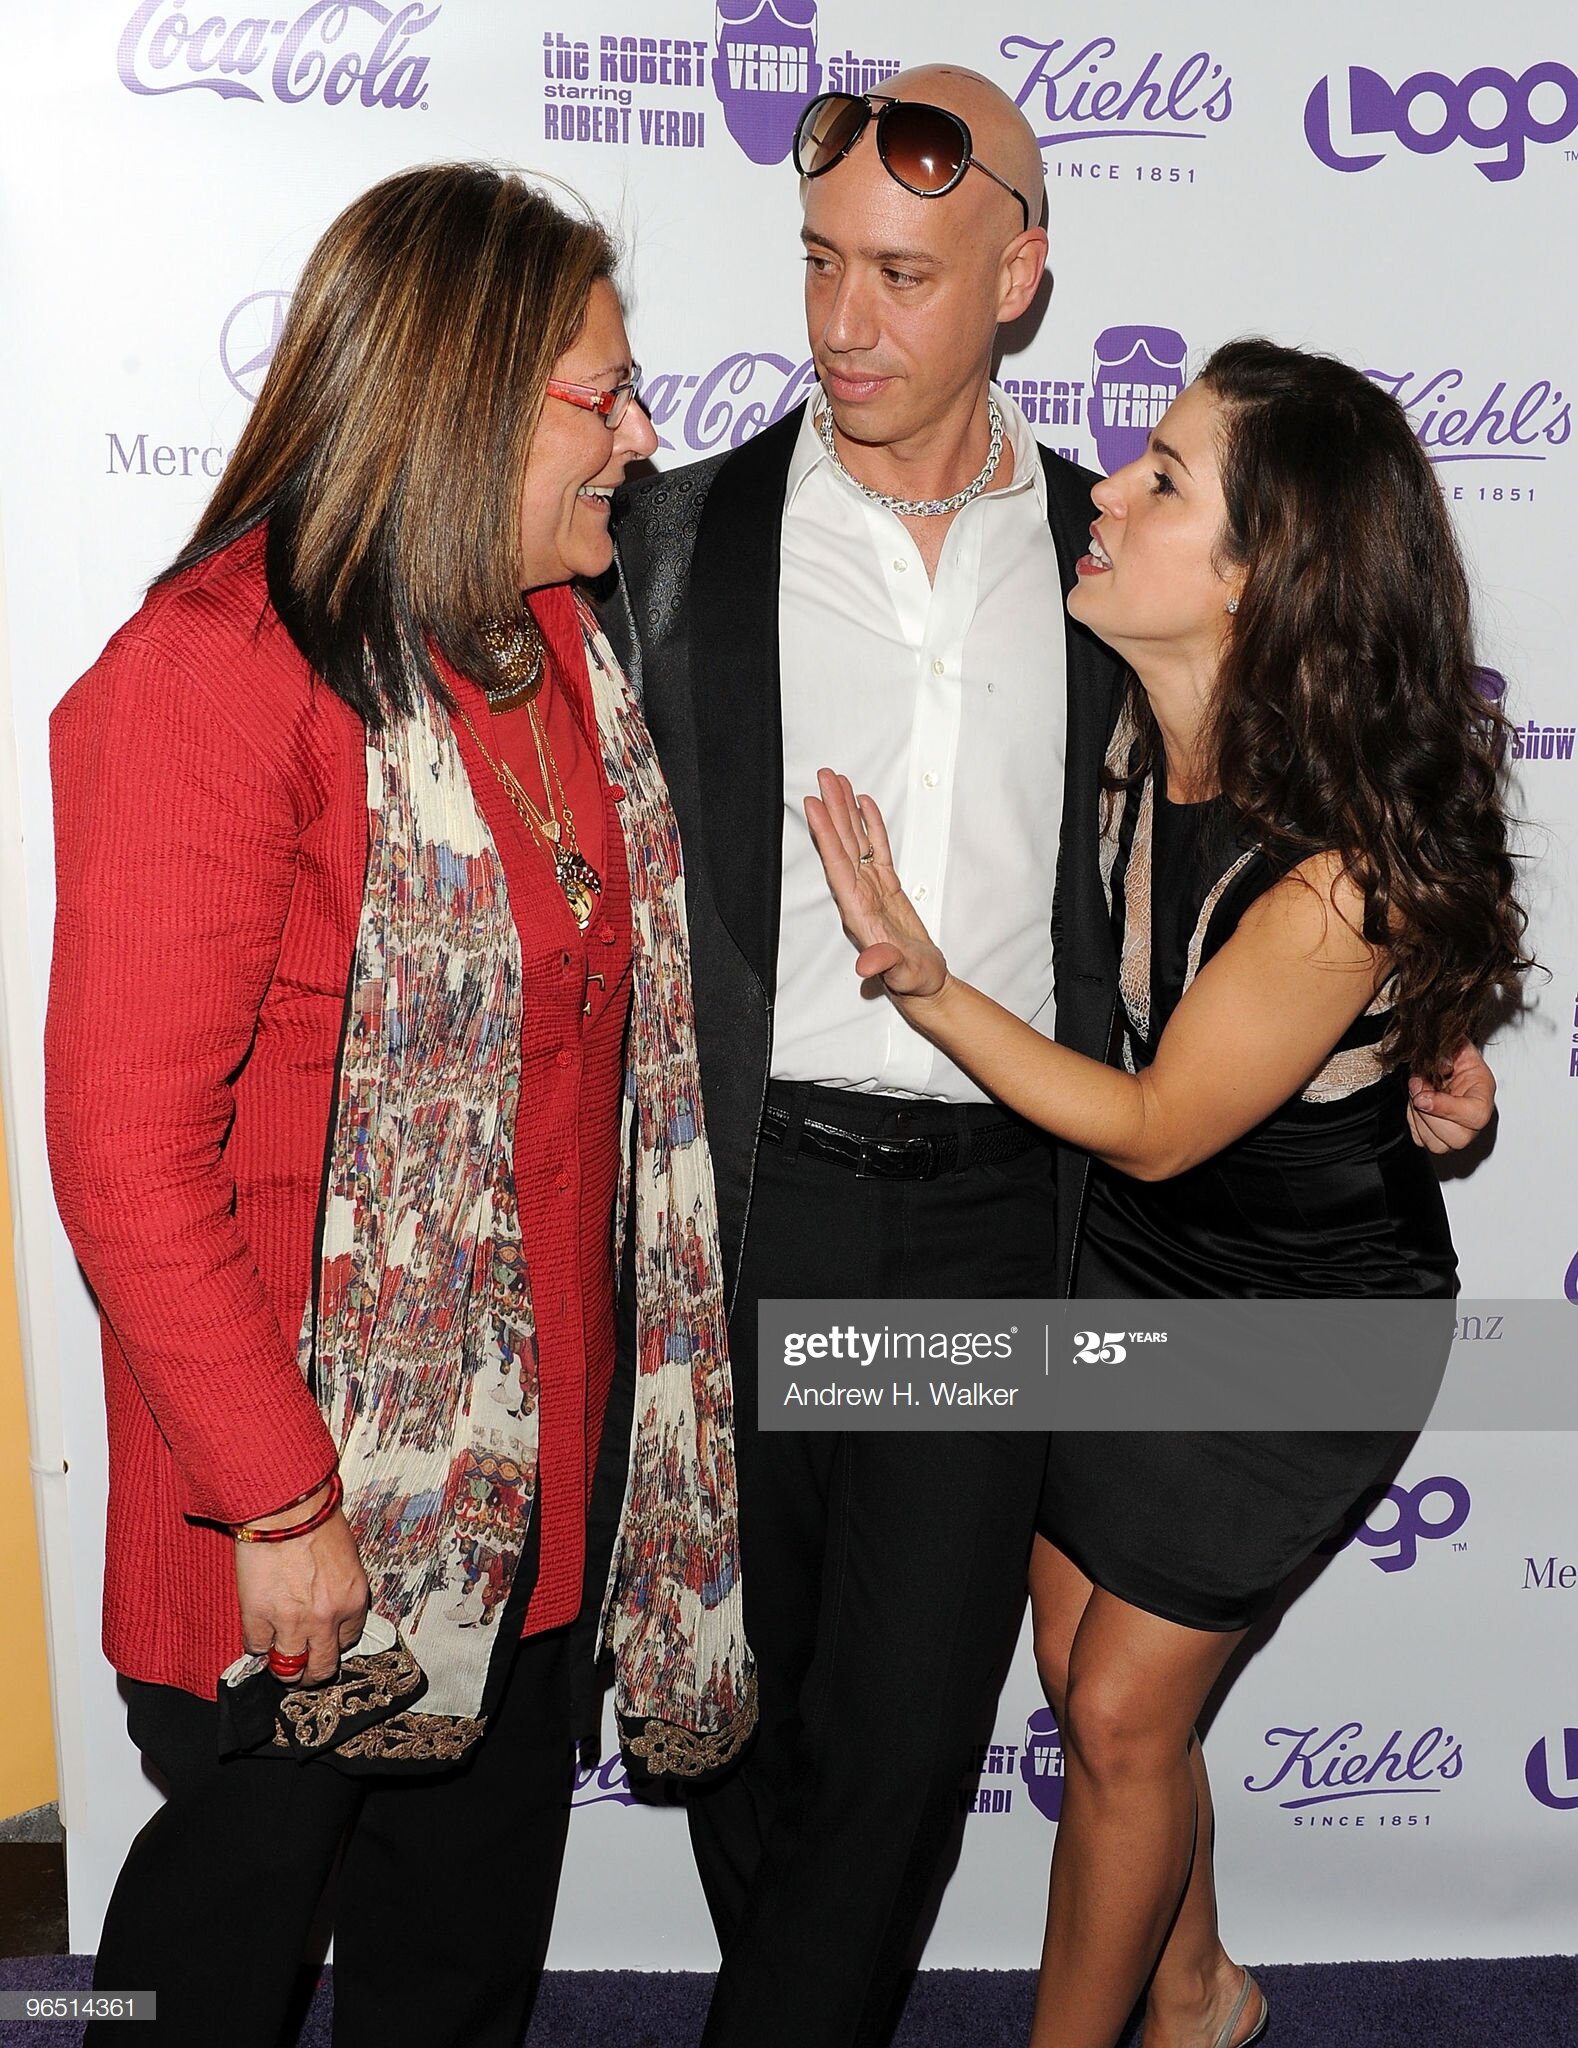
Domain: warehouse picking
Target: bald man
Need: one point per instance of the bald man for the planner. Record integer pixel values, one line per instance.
(781, 616)
(876, 583)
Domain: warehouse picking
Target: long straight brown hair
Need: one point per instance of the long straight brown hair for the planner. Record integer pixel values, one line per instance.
(388, 446)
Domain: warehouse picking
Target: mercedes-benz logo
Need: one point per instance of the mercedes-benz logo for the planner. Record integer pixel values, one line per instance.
(249, 337)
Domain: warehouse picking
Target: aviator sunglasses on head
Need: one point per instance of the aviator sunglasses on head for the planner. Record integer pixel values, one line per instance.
(923, 148)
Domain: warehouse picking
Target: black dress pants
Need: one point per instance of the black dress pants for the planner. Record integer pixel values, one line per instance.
(445, 1895)
(884, 1587)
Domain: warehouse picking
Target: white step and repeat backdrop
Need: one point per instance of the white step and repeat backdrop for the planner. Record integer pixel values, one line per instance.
(1397, 1767)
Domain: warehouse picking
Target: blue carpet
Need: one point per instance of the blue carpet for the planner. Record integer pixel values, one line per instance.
(1520, 2002)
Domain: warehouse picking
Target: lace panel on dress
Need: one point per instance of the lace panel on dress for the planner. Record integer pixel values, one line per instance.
(1347, 1070)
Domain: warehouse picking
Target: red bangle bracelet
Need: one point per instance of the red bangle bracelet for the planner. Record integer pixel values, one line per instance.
(316, 1520)
(307, 1493)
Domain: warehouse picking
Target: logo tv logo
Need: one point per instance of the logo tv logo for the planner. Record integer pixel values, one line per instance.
(1559, 1791)
(1488, 109)
(1401, 1521)
(333, 48)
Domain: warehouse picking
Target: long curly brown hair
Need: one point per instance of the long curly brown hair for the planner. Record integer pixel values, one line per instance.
(1347, 714)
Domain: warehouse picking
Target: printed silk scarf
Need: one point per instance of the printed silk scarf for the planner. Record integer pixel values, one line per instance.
(421, 1342)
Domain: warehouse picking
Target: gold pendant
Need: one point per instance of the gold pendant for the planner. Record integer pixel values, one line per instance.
(580, 881)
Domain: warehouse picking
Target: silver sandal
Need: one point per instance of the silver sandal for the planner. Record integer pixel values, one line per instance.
(1225, 2038)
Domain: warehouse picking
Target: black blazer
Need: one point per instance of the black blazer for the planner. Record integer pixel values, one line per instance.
(694, 617)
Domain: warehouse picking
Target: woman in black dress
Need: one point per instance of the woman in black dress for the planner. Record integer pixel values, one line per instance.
(1306, 859)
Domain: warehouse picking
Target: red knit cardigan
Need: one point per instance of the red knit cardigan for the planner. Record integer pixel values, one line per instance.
(211, 833)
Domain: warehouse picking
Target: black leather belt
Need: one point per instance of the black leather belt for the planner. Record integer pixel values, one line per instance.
(871, 1158)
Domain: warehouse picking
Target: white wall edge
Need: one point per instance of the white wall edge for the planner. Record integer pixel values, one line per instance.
(32, 1214)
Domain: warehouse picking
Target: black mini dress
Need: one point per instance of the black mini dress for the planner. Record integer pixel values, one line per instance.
(1328, 1197)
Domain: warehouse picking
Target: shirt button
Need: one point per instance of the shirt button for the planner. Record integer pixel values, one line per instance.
(606, 934)
(564, 1057)
(900, 564)
(920, 893)
(930, 778)
(562, 1183)
(939, 668)
(991, 689)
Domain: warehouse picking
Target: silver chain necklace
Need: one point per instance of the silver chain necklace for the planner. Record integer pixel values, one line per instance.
(921, 508)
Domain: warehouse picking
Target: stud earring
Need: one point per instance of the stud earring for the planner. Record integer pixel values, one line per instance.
(1232, 604)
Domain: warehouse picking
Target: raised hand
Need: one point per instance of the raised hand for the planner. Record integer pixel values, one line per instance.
(880, 919)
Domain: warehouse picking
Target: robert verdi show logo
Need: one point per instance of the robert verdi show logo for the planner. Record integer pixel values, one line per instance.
(1041, 1763)
(760, 66)
(1136, 375)
(1534, 743)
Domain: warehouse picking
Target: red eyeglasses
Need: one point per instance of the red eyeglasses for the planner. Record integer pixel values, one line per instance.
(610, 406)
(923, 148)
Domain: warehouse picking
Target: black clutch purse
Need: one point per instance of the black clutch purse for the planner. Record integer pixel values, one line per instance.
(378, 1681)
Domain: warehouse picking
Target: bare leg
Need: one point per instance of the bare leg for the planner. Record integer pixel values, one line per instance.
(1195, 1982)
(1058, 1593)
(1126, 1695)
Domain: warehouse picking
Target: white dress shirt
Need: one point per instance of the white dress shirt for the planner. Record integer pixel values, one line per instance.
(945, 701)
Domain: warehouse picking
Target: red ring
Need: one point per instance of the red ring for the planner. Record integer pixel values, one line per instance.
(284, 1665)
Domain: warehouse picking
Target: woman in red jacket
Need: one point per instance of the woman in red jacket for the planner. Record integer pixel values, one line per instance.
(370, 918)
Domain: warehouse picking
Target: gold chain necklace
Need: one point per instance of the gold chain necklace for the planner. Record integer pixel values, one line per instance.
(577, 878)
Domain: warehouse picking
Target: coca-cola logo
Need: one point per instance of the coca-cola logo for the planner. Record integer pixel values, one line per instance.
(709, 411)
(1455, 424)
(334, 50)
(1316, 1767)
(1088, 93)
(1488, 109)
(600, 1784)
